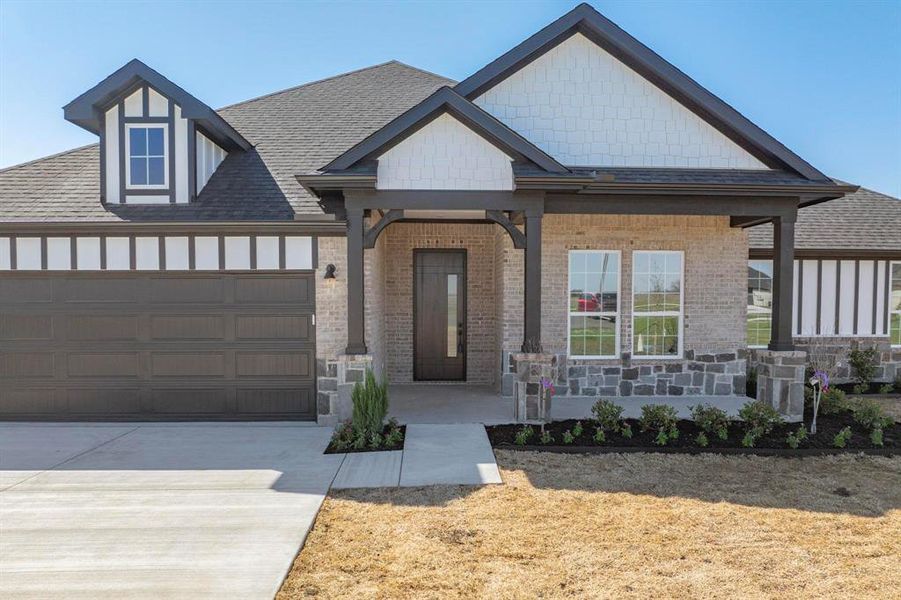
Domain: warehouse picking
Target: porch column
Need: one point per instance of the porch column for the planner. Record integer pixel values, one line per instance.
(532, 283)
(356, 341)
(783, 282)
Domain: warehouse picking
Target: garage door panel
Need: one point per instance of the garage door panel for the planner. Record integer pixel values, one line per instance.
(102, 327)
(26, 290)
(145, 345)
(186, 290)
(19, 326)
(103, 364)
(259, 327)
(179, 401)
(286, 401)
(277, 364)
(187, 327)
(183, 364)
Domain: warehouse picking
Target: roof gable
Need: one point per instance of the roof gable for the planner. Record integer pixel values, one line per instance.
(586, 20)
(445, 100)
(85, 110)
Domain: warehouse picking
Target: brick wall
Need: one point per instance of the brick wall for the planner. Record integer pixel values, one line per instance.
(479, 241)
(331, 299)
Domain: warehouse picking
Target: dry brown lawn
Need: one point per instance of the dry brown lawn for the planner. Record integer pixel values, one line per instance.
(612, 526)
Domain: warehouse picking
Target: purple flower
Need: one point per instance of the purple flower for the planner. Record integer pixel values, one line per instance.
(823, 378)
(547, 384)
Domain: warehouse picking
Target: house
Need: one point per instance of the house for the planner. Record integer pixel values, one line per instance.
(578, 211)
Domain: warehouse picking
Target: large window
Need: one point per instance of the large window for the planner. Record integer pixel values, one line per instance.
(895, 305)
(593, 303)
(760, 302)
(656, 304)
(146, 164)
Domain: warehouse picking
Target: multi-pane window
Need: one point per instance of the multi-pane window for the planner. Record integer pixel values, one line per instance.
(895, 305)
(593, 303)
(760, 302)
(656, 304)
(147, 156)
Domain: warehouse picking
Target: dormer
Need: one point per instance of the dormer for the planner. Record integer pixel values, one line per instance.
(158, 143)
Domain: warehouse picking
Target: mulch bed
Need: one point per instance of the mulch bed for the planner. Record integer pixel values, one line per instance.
(874, 388)
(332, 450)
(502, 436)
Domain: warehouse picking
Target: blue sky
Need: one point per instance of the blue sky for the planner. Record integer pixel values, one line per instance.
(822, 77)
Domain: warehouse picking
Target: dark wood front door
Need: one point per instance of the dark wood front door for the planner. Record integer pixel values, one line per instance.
(439, 315)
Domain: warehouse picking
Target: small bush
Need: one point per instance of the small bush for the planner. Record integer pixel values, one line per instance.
(546, 437)
(395, 435)
(876, 437)
(626, 430)
(599, 435)
(376, 440)
(343, 436)
(577, 429)
(702, 440)
(568, 437)
(886, 389)
(833, 401)
(863, 365)
(794, 439)
(859, 389)
(711, 419)
(842, 437)
(524, 435)
(759, 419)
(869, 414)
(662, 419)
(607, 414)
(370, 405)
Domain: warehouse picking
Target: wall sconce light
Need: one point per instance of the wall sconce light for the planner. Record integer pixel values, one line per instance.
(329, 274)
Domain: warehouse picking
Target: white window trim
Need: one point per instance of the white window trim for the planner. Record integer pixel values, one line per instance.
(619, 274)
(888, 325)
(681, 314)
(756, 346)
(127, 142)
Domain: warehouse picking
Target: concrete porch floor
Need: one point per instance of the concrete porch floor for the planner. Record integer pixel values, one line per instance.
(444, 403)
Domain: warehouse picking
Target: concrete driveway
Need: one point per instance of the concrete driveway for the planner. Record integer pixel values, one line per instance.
(156, 510)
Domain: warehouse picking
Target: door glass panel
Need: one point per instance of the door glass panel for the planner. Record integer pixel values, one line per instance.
(452, 316)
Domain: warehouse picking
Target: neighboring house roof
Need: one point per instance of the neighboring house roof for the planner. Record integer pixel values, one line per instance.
(862, 221)
(586, 20)
(296, 130)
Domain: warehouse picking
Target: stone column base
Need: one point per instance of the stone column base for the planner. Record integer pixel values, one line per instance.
(530, 402)
(780, 381)
(335, 381)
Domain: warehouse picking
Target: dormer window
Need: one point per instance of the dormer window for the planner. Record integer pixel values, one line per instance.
(147, 167)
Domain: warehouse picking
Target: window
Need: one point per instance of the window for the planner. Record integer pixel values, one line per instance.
(147, 166)
(895, 305)
(657, 304)
(760, 302)
(593, 303)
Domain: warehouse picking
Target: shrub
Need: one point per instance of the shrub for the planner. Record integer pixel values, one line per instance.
(546, 437)
(794, 439)
(626, 430)
(607, 414)
(343, 436)
(577, 429)
(524, 435)
(869, 414)
(876, 437)
(376, 440)
(599, 435)
(662, 419)
(863, 365)
(568, 437)
(886, 389)
(859, 389)
(759, 419)
(842, 437)
(395, 435)
(702, 440)
(711, 419)
(834, 401)
(370, 405)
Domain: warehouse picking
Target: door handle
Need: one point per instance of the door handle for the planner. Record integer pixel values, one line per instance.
(459, 338)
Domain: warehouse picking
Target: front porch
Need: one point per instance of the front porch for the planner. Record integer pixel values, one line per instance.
(437, 403)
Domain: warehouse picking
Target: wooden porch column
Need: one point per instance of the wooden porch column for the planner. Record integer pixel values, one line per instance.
(356, 340)
(783, 282)
(532, 283)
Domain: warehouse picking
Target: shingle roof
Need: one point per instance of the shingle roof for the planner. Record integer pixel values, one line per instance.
(296, 130)
(864, 220)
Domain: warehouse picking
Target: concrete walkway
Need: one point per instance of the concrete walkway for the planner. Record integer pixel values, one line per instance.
(432, 455)
(153, 511)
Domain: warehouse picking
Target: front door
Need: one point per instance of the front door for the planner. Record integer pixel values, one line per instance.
(439, 315)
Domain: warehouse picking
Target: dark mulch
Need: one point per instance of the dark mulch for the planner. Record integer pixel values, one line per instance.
(502, 436)
(332, 450)
(874, 388)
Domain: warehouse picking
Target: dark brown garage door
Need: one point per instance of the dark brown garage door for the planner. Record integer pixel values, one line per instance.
(157, 346)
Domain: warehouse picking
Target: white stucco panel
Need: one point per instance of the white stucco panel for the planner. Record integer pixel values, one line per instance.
(445, 155)
(584, 107)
